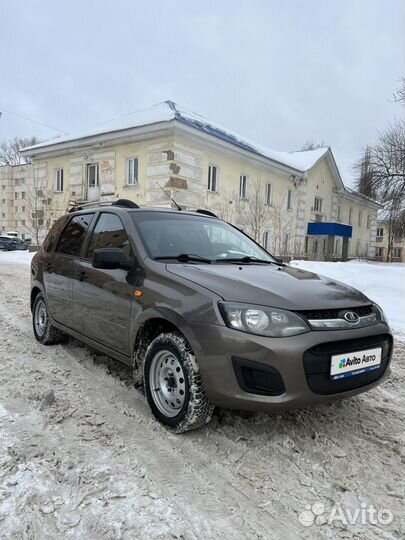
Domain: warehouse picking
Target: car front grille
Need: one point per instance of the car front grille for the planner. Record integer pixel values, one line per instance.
(361, 311)
(317, 364)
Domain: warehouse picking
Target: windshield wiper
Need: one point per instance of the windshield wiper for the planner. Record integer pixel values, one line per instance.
(248, 259)
(185, 257)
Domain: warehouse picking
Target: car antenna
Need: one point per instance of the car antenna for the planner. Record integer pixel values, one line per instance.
(171, 198)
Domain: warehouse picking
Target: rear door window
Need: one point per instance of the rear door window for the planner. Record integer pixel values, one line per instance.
(73, 236)
(109, 232)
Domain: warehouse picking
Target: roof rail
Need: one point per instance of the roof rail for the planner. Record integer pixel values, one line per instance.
(206, 212)
(126, 203)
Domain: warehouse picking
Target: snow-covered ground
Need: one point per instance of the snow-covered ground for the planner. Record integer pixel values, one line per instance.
(81, 456)
(382, 283)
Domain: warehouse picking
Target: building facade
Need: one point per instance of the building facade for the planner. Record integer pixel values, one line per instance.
(15, 186)
(295, 204)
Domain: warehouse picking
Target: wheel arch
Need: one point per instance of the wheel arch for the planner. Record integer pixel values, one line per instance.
(152, 324)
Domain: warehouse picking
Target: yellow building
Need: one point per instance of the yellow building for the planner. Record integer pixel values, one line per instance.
(293, 203)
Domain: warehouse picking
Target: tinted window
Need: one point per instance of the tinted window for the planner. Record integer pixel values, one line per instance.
(53, 235)
(73, 236)
(109, 232)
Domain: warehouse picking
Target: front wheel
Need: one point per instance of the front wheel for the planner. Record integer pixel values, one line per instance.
(44, 332)
(173, 384)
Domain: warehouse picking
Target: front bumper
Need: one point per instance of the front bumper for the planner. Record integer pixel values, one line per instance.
(217, 347)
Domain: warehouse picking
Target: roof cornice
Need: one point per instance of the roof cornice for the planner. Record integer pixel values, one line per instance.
(103, 140)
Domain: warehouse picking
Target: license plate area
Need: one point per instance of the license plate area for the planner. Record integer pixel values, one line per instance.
(354, 363)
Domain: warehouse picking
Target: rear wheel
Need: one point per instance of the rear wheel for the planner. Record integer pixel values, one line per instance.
(44, 332)
(173, 384)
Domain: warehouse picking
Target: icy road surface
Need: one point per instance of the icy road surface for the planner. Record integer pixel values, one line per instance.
(81, 457)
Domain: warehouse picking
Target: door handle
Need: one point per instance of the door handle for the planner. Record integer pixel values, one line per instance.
(48, 266)
(82, 276)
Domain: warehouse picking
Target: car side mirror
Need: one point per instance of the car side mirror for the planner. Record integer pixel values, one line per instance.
(279, 260)
(112, 258)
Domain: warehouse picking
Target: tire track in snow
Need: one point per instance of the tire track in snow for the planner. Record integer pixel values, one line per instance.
(211, 499)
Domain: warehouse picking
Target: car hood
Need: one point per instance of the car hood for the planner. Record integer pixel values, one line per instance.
(276, 286)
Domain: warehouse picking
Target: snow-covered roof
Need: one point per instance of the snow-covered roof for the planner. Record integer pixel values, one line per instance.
(168, 111)
(392, 210)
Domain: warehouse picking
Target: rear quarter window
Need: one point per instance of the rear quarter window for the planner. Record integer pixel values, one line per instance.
(53, 235)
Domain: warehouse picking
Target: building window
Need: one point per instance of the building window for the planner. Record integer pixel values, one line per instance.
(368, 221)
(16, 195)
(359, 221)
(132, 171)
(289, 199)
(339, 211)
(268, 194)
(350, 215)
(23, 209)
(242, 186)
(212, 178)
(266, 239)
(17, 182)
(318, 204)
(396, 253)
(380, 232)
(286, 243)
(23, 222)
(379, 252)
(58, 187)
(23, 194)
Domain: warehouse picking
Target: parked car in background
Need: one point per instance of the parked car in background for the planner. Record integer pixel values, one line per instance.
(7, 244)
(20, 245)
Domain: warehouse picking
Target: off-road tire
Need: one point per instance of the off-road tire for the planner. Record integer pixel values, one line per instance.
(51, 335)
(196, 410)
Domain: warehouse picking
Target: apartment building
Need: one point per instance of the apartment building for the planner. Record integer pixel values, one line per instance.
(294, 203)
(15, 184)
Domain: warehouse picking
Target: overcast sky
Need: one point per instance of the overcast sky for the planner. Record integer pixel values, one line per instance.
(279, 72)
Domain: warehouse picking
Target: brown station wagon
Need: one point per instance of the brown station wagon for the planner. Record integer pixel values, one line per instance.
(204, 315)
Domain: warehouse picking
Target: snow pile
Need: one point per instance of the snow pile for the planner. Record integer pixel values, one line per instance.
(16, 257)
(382, 283)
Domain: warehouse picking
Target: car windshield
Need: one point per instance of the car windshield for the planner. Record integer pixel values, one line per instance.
(195, 238)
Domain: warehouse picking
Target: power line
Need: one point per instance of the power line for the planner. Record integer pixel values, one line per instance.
(31, 120)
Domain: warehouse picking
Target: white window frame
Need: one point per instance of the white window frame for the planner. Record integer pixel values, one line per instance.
(380, 229)
(360, 218)
(318, 204)
(58, 183)
(289, 199)
(269, 194)
(339, 212)
(350, 216)
(379, 251)
(368, 221)
(132, 174)
(212, 178)
(396, 250)
(243, 181)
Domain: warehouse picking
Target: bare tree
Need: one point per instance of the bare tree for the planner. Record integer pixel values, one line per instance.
(38, 201)
(10, 150)
(399, 95)
(254, 213)
(365, 175)
(311, 145)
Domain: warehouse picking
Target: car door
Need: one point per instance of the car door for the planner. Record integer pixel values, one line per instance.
(59, 268)
(102, 298)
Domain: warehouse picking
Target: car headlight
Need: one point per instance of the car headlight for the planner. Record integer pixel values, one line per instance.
(383, 316)
(261, 320)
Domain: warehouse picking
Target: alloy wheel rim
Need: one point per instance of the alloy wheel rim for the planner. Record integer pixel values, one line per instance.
(167, 383)
(40, 318)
